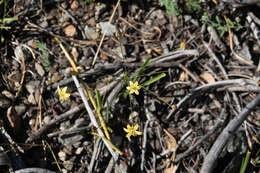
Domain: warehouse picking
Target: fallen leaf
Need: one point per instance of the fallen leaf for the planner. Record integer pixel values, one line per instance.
(171, 143)
(39, 69)
(74, 5)
(207, 77)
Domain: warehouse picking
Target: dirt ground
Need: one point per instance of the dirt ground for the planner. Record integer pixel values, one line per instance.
(129, 86)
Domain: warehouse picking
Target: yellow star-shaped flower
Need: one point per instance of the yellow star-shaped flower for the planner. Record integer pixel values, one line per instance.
(133, 88)
(132, 131)
(63, 93)
(182, 45)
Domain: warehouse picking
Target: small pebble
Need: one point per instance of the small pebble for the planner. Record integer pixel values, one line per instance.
(79, 150)
(70, 30)
(62, 155)
(32, 122)
(64, 170)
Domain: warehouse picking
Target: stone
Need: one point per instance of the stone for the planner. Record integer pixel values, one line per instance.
(62, 156)
(108, 28)
(79, 150)
(70, 30)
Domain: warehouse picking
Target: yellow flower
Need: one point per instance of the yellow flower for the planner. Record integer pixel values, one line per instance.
(132, 131)
(182, 45)
(133, 88)
(62, 93)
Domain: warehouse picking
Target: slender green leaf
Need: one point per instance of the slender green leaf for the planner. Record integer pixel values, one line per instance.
(98, 98)
(53, 155)
(6, 19)
(245, 162)
(44, 55)
(257, 153)
(141, 69)
(110, 143)
(154, 79)
(1, 2)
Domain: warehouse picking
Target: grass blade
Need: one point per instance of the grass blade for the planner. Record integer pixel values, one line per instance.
(141, 69)
(156, 78)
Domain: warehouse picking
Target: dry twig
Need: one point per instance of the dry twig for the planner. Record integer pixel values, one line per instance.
(210, 160)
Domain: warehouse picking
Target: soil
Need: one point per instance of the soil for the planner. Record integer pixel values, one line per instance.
(198, 72)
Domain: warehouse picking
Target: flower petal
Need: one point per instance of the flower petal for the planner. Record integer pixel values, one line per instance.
(138, 133)
(64, 89)
(128, 135)
(59, 90)
(126, 130)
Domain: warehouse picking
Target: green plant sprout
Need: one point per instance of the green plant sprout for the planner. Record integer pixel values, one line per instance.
(257, 155)
(245, 162)
(89, 1)
(219, 24)
(109, 142)
(44, 55)
(172, 7)
(53, 154)
(134, 86)
(192, 6)
(4, 20)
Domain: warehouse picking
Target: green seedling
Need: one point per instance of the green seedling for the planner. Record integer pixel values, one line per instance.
(141, 69)
(219, 24)
(154, 79)
(245, 162)
(172, 8)
(53, 154)
(109, 142)
(44, 55)
(4, 20)
(89, 1)
(8, 19)
(192, 6)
